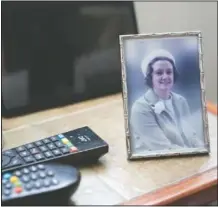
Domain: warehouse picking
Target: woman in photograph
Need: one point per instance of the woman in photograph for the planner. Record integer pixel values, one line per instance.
(160, 119)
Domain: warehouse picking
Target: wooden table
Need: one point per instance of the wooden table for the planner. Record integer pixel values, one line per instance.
(115, 180)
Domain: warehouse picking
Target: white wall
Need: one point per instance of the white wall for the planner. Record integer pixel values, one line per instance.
(185, 16)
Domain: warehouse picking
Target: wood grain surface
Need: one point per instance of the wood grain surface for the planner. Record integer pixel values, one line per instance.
(113, 179)
(198, 189)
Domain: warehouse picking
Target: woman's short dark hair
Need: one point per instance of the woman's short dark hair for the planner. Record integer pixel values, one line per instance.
(148, 78)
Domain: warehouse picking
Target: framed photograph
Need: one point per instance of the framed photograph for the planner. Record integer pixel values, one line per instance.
(164, 94)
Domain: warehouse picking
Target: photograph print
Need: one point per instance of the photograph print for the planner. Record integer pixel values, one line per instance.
(164, 94)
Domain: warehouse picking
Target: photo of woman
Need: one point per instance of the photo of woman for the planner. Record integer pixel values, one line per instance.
(162, 80)
(161, 112)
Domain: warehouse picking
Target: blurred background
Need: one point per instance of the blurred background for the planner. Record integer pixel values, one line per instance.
(58, 53)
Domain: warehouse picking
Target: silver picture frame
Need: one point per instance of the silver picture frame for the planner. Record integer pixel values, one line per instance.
(127, 88)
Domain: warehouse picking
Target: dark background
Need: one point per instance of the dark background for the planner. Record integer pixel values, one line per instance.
(61, 52)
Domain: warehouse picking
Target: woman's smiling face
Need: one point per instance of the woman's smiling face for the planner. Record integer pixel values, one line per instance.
(162, 75)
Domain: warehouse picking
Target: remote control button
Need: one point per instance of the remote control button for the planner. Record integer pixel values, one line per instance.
(39, 157)
(6, 192)
(24, 154)
(25, 171)
(51, 146)
(9, 153)
(8, 186)
(57, 152)
(30, 146)
(33, 176)
(48, 154)
(73, 149)
(47, 183)
(38, 185)
(65, 150)
(4, 181)
(29, 159)
(6, 176)
(20, 149)
(50, 173)
(65, 140)
(14, 179)
(18, 184)
(58, 144)
(17, 173)
(46, 140)
(38, 143)
(42, 175)
(33, 168)
(34, 151)
(25, 178)
(60, 135)
(28, 186)
(53, 139)
(16, 162)
(41, 167)
(18, 190)
(43, 148)
(54, 181)
(5, 160)
(69, 144)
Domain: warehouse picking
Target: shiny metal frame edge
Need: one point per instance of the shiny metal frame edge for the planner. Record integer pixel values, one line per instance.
(195, 151)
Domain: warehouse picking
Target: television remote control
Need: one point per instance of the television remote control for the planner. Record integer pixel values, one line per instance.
(79, 146)
(40, 184)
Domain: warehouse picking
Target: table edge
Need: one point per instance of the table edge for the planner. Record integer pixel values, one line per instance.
(174, 193)
(185, 188)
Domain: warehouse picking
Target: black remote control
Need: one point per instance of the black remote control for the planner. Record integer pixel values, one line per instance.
(41, 184)
(79, 146)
